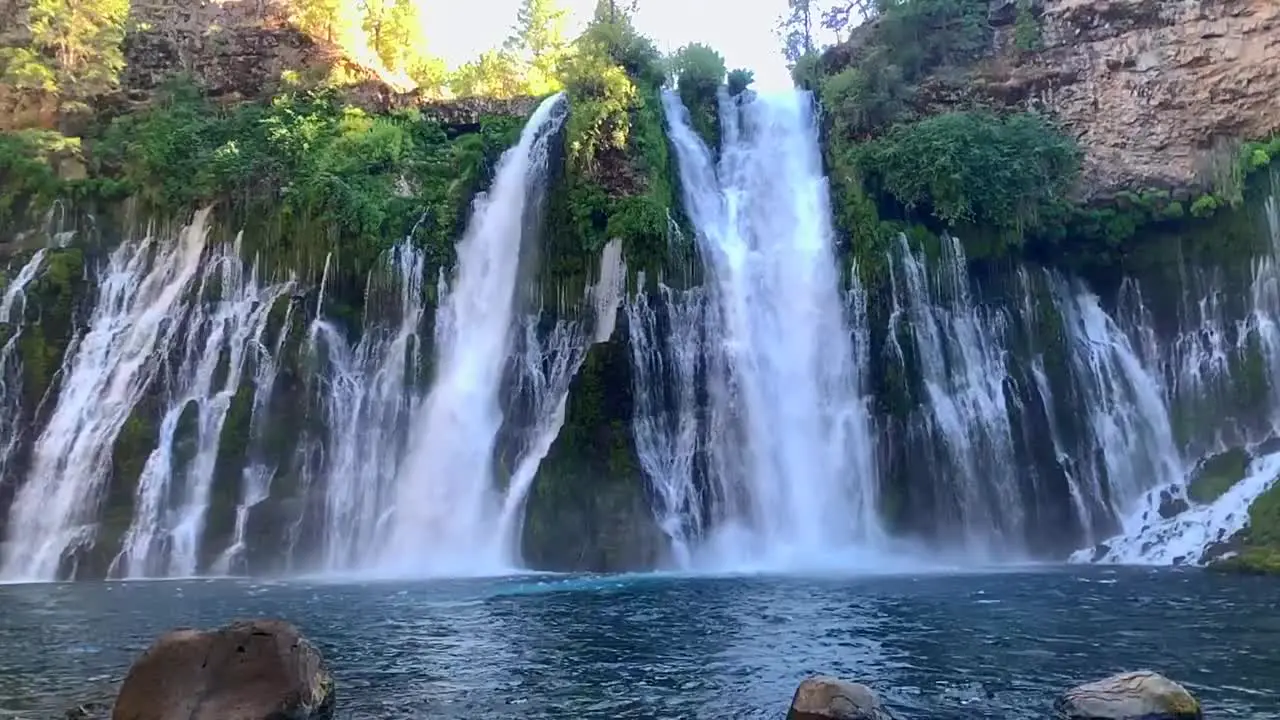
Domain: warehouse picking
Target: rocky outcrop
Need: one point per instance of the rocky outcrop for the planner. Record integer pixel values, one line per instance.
(1127, 696)
(249, 670)
(233, 49)
(1158, 92)
(827, 698)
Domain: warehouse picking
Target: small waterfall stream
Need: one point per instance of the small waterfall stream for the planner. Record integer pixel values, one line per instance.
(13, 308)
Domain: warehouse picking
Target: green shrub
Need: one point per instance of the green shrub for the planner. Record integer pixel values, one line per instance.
(974, 168)
(739, 80)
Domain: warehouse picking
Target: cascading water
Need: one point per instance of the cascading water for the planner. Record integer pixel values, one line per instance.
(368, 393)
(1207, 358)
(256, 476)
(1131, 444)
(793, 456)
(665, 355)
(445, 499)
(13, 306)
(135, 324)
(226, 319)
(964, 420)
(547, 367)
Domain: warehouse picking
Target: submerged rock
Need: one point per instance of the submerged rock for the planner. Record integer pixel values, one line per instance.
(1141, 695)
(827, 698)
(249, 670)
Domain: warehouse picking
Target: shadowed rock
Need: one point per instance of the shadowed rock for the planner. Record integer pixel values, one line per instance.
(249, 670)
(1141, 695)
(828, 698)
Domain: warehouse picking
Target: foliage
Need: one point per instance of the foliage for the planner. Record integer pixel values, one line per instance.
(1217, 474)
(27, 177)
(923, 35)
(797, 29)
(739, 80)
(539, 43)
(866, 98)
(494, 74)
(975, 169)
(1026, 29)
(73, 48)
(700, 71)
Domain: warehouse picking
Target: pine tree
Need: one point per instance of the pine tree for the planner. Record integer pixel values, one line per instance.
(539, 44)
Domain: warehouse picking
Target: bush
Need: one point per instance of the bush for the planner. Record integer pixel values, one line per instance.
(699, 71)
(739, 80)
(975, 168)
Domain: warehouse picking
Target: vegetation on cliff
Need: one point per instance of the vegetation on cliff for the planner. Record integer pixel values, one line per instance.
(1001, 177)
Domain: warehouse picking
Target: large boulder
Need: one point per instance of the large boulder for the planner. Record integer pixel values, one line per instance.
(827, 698)
(1141, 695)
(249, 670)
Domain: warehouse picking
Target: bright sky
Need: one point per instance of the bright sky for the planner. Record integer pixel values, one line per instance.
(743, 31)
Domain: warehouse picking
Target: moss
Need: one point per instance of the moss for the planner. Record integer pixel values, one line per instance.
(1259, 542)
(1218, 474)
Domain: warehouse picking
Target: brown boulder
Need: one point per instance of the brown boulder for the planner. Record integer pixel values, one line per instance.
(249, 670)
(827, 698)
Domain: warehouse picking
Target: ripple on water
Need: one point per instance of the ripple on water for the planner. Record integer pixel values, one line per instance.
(997, 645)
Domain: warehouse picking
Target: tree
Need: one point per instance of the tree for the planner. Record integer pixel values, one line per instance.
(699, 70)
(538, 42)
(797, 30)
(494, 74)
(74, 48)
(846, 13)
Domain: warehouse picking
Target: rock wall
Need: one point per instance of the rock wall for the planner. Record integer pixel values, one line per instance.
(1157, 91)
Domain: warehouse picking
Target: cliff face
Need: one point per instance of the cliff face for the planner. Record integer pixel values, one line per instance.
(1156, 91)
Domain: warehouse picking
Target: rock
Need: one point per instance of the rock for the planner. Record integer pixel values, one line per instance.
(249, 670)
(827, 698)
(1156, 92)
(89, 711)
(1216, 474)
(1172, 505)
(1141, 695)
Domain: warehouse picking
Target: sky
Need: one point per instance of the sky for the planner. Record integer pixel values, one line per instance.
(743, 31)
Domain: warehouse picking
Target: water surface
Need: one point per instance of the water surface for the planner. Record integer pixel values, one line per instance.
(997, 645)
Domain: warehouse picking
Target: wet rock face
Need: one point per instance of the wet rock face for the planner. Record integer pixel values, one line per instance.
(828, 698)
(1141, 695)
(1155, 90)
(249, 670)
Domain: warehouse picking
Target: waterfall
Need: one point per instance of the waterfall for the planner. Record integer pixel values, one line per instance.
(13, 307)
(445, 495)
(964, 422)
(1208, 358)
(226, 319)
(256, 476)
(135, 323)
(1130, 449)
(546, 370)
(367, 395)
(664, 420)
(792, 452)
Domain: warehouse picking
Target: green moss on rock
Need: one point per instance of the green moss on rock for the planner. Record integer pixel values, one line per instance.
(1217, 474)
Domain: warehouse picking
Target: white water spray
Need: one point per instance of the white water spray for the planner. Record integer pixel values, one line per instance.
(136, 322)
(171, 505)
